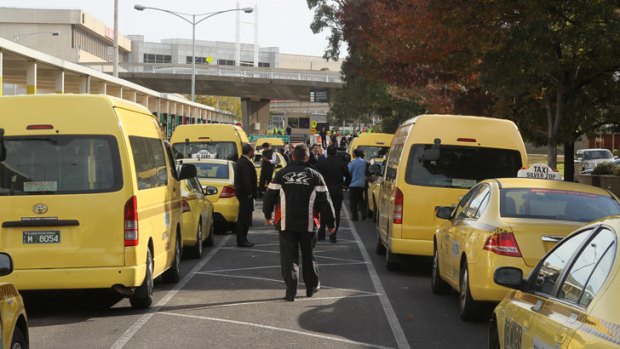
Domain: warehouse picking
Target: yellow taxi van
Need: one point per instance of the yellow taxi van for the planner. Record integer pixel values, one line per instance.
(89, 195)
(208, 141)
(371, 144)
(434, 160)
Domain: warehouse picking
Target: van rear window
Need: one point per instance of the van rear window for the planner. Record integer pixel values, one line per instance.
(60, 165)
(208, 150)
(460, 167)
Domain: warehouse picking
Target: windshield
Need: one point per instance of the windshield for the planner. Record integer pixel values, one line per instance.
(556, 204)
(597, 154)
(60, 165)
(209, 170)
(460, 167)
(206, 150)
(372, 152)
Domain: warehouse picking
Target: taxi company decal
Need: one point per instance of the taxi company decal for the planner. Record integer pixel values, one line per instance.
(539, 171)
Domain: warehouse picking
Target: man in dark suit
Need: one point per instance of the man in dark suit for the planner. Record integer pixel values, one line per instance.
(245, 188)
(315, 156)
(337, 175)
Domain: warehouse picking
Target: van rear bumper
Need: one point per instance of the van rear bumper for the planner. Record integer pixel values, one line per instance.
(410, 247)
(76, 278)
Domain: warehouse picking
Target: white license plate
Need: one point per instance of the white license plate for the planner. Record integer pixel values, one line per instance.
(41, 237)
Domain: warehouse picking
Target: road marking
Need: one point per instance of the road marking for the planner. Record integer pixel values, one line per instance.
(399, 334)
(131, 331)
(278, 266)
(316, 255)
(310, 334)
(277, 280)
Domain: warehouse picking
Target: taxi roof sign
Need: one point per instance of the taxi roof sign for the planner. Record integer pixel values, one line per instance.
(539, 171)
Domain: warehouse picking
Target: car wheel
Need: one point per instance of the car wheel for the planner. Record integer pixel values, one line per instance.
(493, 334)
(19, 339)
(390, 261)
(380, 249)
(209, 241)
(438, 285)
(196, 251)
(469, 310)
(173, 274)
(143, 295)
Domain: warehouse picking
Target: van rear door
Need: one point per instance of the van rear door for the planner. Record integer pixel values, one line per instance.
(57, 201)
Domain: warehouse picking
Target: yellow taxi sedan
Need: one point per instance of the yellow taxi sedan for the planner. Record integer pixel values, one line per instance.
(217, 177)
(507, 222)
(197, 229)
(14, 330)
(570, 300)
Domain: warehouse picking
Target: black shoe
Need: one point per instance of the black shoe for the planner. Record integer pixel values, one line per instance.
(310, 291)
(245, 244)
(289, 298)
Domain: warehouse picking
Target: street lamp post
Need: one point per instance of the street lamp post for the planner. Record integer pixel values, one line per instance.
(17, 37)
(186, 17)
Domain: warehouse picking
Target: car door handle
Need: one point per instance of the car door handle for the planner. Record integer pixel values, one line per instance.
(549, 238)
(560, 335)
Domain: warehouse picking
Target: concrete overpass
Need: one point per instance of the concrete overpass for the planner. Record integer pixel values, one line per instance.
(255, 86)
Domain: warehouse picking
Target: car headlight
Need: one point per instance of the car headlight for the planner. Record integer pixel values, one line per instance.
(589, 165)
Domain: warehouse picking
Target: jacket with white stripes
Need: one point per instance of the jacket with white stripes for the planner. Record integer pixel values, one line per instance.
(295, 193)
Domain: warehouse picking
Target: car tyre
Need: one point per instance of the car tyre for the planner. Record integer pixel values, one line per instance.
(390, 261)
(469, 309)
(173, 274)
(143, 295)
(209, 242)
(438, 285)
(493, 334)
(196, 251)
(19, 339)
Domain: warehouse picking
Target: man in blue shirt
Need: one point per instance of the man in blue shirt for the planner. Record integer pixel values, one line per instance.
(357, 167)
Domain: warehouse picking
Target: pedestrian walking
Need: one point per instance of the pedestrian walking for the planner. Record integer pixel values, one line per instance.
(269, 160)
(357, 166)
(334, 138)
(337, 176)
(316, 155)
(323, 135)
(289, 129)
(245, 190)
(293, 194)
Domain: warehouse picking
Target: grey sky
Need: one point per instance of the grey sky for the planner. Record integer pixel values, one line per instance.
(282, 23)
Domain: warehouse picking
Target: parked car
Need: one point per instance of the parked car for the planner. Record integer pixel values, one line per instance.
(198, 225)
(587, 159)
(217, 141)
(13, 322)
(507, 222)
(217, 178)
(589, 171)
(570, 299)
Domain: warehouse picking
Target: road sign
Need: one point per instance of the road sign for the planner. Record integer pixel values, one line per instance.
(539, 171)
(319, 95)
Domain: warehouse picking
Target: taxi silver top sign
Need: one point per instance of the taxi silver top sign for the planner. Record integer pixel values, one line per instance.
(539, 171)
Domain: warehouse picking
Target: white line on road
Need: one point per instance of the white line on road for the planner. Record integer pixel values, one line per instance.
(278, 266)
(310, 334)
(126, 337)
(316, 254)
(399, 334)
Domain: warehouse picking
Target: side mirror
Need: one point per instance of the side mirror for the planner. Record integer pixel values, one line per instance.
(444, 212)
(510, 277)
(2, 148)
(6, 264)
(375, 170)
(187, 171)
(210, 190)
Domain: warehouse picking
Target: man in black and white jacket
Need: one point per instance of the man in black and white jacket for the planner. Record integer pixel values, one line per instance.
(294, 194)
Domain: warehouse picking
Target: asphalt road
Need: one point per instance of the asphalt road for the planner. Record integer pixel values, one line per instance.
(232, 298)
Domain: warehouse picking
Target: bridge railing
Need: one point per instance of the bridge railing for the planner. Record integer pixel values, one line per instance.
(226, 71)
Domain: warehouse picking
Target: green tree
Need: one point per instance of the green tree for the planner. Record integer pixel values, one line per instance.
(229, 104)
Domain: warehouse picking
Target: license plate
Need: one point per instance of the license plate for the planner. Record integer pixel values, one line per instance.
(41, 237)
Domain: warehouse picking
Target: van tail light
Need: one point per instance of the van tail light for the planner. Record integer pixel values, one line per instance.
(397, 216)
(186, 207)
(503, 244)
(228, 192)
(131, 222)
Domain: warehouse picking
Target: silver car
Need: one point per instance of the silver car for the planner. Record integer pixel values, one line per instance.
(588, 159)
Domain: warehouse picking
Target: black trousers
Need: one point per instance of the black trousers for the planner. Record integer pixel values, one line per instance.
(290, 244)
(244, 219)
(337, 198)
(266, 173)
(356, 201)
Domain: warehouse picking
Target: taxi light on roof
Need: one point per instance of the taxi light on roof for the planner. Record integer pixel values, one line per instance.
(40, 127)
(471, 140)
